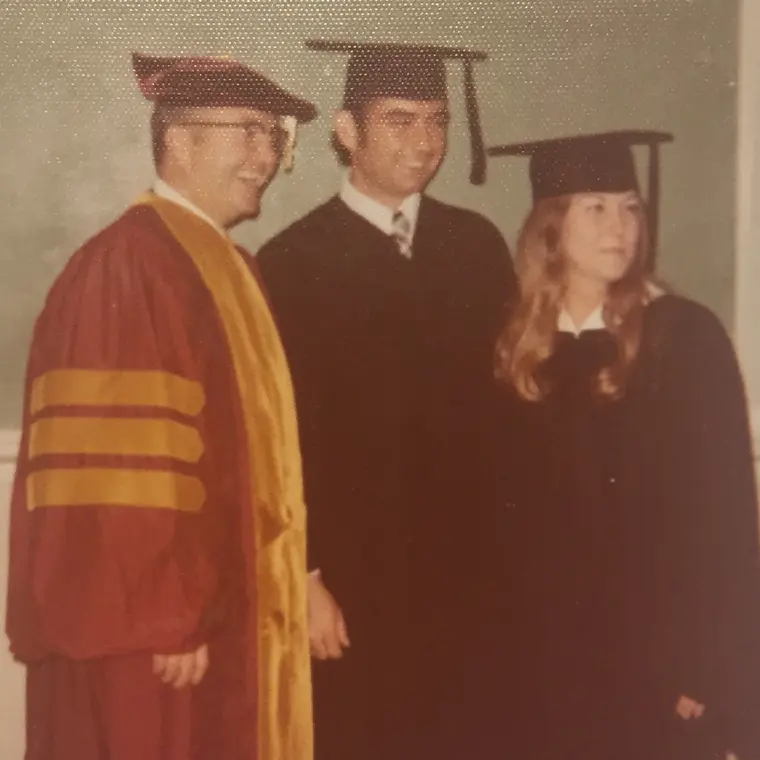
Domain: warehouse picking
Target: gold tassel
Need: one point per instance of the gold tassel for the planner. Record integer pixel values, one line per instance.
(290, 125)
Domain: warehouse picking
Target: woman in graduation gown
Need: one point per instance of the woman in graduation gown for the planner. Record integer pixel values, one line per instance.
(623, 548)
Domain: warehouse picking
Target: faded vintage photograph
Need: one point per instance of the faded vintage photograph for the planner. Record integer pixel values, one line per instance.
(377, 380)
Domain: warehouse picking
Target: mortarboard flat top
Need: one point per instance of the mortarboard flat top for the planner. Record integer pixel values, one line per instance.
(601, 162)
(396, 48)
(409, 72)
(582, 163)
(624, 136)
(216, 83)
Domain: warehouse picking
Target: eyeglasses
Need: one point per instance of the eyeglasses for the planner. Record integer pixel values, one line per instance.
(255, 131)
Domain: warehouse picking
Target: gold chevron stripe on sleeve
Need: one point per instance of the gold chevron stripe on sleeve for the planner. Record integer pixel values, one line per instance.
(90, 387)
(152, 489)
(126, 437)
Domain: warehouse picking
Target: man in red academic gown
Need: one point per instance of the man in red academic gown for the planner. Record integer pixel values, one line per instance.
(157, 585)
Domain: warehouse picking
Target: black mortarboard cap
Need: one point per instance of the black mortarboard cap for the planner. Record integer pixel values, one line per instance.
(199, 81)
(600, 162)
(411, 72)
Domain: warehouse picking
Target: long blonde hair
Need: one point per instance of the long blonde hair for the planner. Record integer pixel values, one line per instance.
(527, 339)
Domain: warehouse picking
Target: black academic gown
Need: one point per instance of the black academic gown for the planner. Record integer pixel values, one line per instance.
(621, 556)
(387, 354)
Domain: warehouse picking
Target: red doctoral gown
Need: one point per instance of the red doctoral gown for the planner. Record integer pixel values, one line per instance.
(158, 506)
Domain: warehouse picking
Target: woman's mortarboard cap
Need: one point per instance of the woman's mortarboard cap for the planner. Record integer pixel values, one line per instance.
(601, 162)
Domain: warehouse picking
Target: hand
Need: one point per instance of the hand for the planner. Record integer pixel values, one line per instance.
(328, 636)
(688, 708)
(179, 670)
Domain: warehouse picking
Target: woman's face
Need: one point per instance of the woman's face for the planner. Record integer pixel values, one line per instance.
(600, 236)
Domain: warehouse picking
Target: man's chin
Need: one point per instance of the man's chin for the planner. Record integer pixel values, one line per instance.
(417, 184)
(245, 216)
(252, 209)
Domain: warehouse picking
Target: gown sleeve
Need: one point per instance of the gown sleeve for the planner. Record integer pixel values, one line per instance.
(715, 556)
(109, 552)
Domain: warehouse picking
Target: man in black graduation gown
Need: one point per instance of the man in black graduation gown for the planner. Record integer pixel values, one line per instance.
(389, 303)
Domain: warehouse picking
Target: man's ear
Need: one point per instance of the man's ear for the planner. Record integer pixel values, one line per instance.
(346, 130)
(179, 142)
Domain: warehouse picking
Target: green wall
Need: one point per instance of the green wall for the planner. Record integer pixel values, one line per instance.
(75, 150)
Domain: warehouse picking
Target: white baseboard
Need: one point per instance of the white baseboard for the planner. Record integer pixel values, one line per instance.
(9, 442)
(754, 420)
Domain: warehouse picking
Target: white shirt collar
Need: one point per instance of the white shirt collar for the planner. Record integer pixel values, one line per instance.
(165, 190)
(594, 321)
(376, 213)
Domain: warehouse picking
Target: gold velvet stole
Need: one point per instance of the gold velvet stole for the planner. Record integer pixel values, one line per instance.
(285, 728)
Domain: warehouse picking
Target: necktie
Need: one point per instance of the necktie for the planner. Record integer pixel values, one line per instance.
(402, 233)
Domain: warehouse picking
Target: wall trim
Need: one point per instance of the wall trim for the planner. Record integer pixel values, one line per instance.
(9, 442)
(754, 420)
